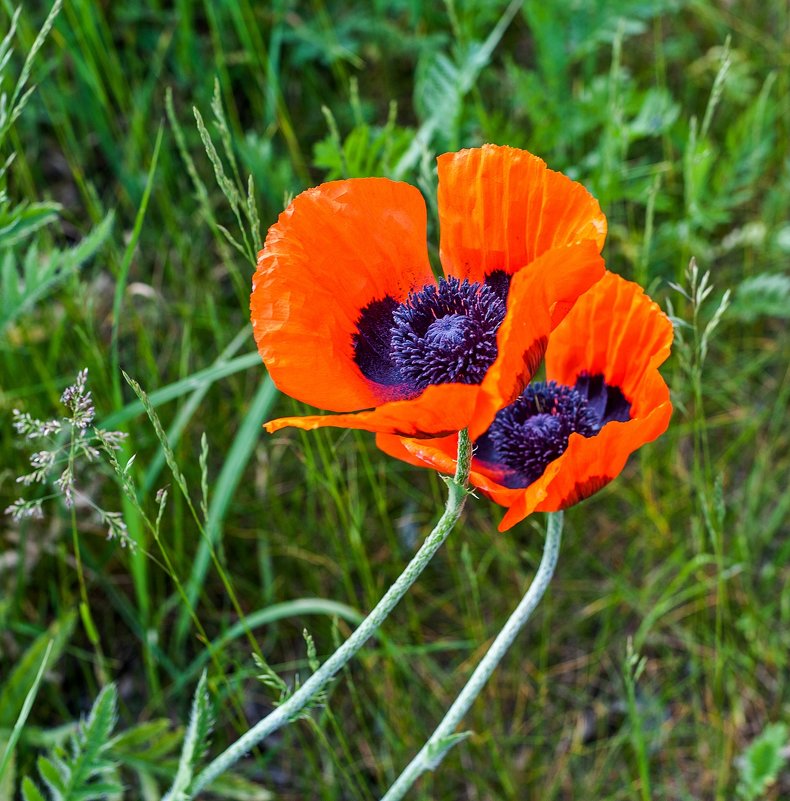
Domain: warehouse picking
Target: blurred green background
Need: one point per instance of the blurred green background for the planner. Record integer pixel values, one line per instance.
(675, 115)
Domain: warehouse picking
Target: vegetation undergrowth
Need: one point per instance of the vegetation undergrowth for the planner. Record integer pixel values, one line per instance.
(129, 226)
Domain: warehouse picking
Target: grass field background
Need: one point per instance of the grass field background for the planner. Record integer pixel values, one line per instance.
(675, 115)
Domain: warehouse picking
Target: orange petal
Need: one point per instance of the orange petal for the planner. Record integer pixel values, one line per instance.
(440, 454)
(589, 463)
(501, 208)
(335, 249)
(538, 300)
(614, 330)
(439, 410)
(617, 331)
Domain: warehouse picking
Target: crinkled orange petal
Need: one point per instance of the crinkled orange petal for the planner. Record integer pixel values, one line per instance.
(589, 463)
(335, 249)
(501, 208)
(538, 300)
(617, 331)
(440, 454)
(438, 410)
(614, 330)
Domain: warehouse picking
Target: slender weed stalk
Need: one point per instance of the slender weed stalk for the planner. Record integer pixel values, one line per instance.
(634, 668)
(693, 340)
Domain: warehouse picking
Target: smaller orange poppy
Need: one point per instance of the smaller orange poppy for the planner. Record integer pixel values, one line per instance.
(348, 316)
(565, 438)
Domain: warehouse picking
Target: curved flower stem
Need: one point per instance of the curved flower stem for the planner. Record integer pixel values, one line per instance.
(290, 708)
(444, 738)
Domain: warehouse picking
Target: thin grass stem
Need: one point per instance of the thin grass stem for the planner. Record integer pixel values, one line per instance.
(444, 737)
(290, 709)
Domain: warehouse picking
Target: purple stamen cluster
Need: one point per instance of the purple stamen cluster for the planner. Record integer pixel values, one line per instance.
(534, 430)
(442, 334)
(447, 333)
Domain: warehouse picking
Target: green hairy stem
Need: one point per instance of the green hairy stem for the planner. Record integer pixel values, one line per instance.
(444, 737)
(289, 709)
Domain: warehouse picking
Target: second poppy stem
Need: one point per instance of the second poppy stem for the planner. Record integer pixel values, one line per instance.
(444, 737)
(290, 709)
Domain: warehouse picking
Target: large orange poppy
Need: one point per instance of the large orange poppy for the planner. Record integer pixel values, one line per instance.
(565, 438)
(348, 316)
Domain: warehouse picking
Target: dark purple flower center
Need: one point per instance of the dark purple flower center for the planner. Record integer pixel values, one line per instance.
(608, 402)
(499, 281)
(444, 333)
(534, 430)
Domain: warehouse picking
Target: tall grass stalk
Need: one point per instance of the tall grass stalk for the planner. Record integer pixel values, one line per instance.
(297, 702)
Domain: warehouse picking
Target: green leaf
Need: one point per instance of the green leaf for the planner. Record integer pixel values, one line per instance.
(18, 685)
(52, 777)
(90, 746)
(764, 295)
(30, 792)
(97, 790)
(148, 743)
(19, 222)
(656, 115)
(140, 735)
(761, 762)
(8, 747)
(80, 773)
(438, 750)
(236, 788)
(195, 743)
(19, 293)
(366, 151)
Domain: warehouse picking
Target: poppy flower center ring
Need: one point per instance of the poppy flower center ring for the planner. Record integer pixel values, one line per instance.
(448, 334)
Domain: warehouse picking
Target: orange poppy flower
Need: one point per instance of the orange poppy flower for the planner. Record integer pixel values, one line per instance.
(565, 438)
(348, 316)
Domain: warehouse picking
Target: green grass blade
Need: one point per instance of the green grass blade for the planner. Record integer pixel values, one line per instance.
(126, 263)
(263, 617)
(131, 515)
(185, 413)
(179, 388)
(23, 713)
(224, 488)
(17, 686)
(18, 99)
